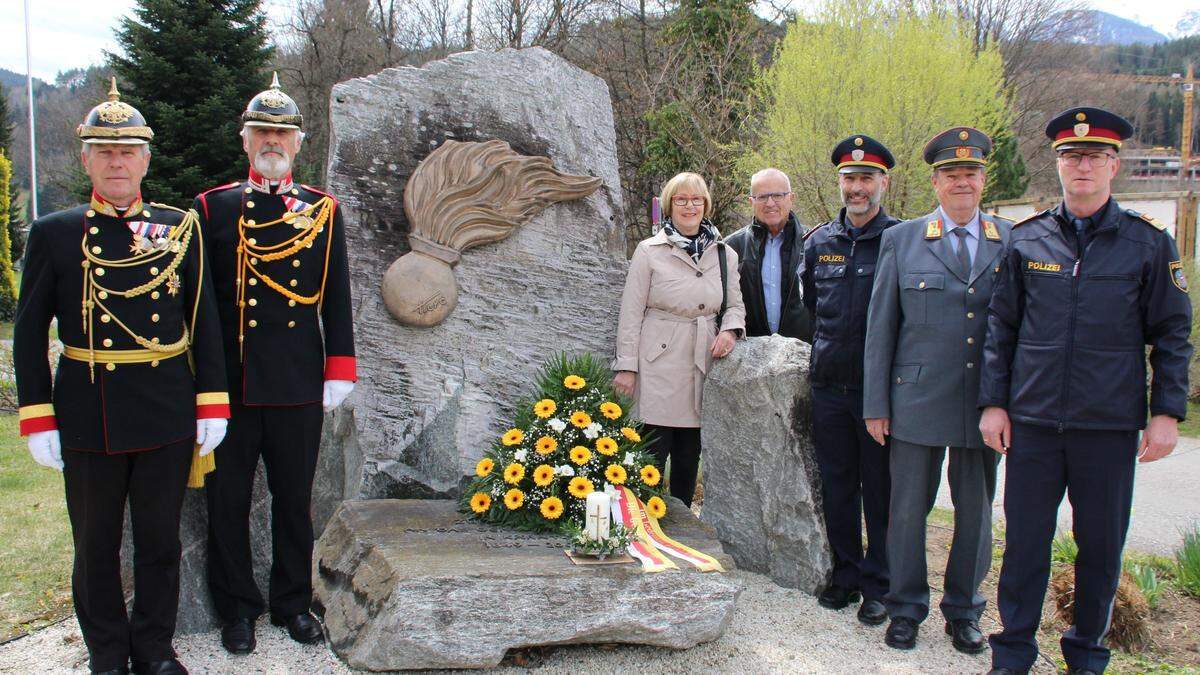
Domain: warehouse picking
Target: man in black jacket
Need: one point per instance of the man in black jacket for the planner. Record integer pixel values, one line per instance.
(836, 275)
(769, 249)
(1084, 287)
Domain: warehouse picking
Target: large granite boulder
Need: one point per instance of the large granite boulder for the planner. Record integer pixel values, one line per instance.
(430, 400)
(762, 490)
(407, 584)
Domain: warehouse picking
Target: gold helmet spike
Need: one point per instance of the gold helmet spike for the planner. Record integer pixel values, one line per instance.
(274, 80)
(113, 94)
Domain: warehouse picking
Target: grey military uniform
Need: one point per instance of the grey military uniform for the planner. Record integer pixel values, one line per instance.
(925, 334)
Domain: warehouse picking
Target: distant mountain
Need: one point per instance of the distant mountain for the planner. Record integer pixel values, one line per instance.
(12, 80)
(1103, 28)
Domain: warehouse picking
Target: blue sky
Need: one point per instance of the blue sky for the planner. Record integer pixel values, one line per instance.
(72, 33)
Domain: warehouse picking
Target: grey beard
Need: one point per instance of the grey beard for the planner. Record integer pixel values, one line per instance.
(272, 168)
(872, 202)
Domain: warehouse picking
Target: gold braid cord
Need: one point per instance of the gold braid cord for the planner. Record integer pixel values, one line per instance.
(94, 293)
(250, 253)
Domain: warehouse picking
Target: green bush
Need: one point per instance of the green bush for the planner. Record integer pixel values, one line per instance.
(1187, 562)
(1064, 550)
(1147, 581)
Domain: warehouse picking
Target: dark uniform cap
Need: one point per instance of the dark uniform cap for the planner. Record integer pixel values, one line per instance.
(273, 108)
(114, 122)
(860, 153)
(1087, 128)
(964, 146)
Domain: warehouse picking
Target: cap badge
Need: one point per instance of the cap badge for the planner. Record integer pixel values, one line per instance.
(1079, 117)
(857, 154)
(273, 98)
(114, 112)
(858, 141)
(963, 135)
(1082, 129)
(961, 152)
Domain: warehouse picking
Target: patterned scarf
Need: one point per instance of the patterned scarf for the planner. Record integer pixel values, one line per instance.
(693, 246)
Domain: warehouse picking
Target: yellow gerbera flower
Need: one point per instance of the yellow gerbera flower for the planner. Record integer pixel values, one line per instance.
(543, 475)
(580, 455)
(650, 475)
(513, 499)
(480, 502)
(656, 507)
(513, 437)
(484, 467)
(615, 473)
(631, 434)
(610, 410)
(546, 445)
(606, 446)
(574, 382)
(580, 487)
(552, 508)
(544, 408)
(513, 473)
(580, 419)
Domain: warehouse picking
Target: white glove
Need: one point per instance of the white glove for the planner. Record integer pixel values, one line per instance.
(210, 433)
(336, 391)
(46, 448)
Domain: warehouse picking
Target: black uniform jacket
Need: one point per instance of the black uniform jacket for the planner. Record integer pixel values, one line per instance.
(836, 274)
(117, 407)
(1069, 323)
(749, 242)
(287, 297)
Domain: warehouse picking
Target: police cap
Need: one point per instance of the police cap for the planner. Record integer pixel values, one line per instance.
(860, 153)
(1087, 128)
(958, 146)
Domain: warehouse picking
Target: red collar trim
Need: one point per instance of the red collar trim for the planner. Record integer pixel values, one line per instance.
(260, 183)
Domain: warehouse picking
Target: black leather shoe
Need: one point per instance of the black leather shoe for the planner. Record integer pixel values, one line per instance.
(168, 667)
(901, 633)
(1007, 671)
(1074, 671)
(123, 670)
(872, 612)
(836, 597)
(303, 628)
(237, 636)
(966, 636)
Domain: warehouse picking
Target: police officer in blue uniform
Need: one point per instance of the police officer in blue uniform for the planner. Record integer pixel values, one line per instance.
(1085, 286)
(836, 275)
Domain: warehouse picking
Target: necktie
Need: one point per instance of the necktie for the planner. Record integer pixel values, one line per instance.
(964, 255)
(1081, 225)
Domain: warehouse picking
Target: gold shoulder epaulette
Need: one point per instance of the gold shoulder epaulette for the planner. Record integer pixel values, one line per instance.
(167, 206)
(1030, 217)
(1156, 224)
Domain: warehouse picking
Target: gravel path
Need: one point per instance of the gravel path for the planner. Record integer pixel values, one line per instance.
(774, 630)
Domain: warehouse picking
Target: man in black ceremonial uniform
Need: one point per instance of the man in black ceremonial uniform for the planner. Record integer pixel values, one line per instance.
(283, 293)
(140, 381)
(836, 275)
(1085, 287)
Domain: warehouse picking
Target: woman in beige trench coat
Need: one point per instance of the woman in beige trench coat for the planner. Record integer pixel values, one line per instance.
(668, 335)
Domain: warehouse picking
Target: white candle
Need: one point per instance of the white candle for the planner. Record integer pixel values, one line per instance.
(596, 520)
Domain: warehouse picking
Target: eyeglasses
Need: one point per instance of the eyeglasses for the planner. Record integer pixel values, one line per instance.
(1097, 159)
(770, 197)
(684, 201)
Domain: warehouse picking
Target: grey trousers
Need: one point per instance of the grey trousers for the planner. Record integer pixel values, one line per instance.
(916, 475)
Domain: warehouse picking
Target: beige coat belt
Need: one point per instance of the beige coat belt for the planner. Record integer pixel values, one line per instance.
(700, 347)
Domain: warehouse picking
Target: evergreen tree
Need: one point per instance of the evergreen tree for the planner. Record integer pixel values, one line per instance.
(1006, 175)
(8, 284)
(16, 219)
(191, 66)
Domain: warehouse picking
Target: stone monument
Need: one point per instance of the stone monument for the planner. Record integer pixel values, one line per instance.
(762, 490)
(429, 400)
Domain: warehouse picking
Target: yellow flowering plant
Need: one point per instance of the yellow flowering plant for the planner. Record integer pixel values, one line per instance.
(572, 437)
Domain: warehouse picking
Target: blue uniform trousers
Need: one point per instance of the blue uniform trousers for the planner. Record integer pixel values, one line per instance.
(855, 478)
(1096, 470)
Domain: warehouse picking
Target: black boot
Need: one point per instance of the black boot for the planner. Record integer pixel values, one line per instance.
(303, 628)
(237, 636)
(966, 635)
(837, 597)
(901, 633)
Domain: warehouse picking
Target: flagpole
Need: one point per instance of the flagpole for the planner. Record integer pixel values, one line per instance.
(33, 193)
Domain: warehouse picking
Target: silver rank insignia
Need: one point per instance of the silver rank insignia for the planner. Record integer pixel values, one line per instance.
(173, 284)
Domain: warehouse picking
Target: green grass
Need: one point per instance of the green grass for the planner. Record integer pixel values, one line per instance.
(1190, 427)
(35, 559)
(1187, 562)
